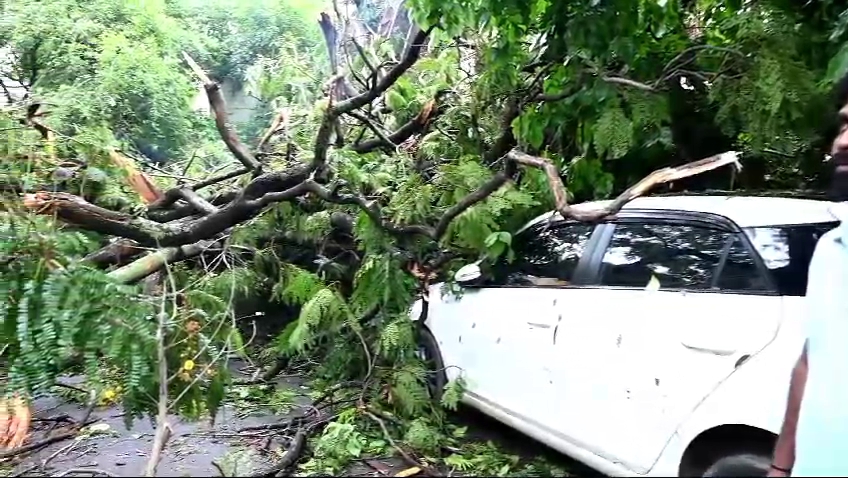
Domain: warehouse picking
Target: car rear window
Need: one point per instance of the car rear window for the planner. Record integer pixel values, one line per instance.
(787, 251)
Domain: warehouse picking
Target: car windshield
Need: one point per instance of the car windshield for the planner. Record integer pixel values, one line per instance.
(787, 251)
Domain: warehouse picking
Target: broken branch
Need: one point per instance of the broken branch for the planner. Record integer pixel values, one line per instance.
(431, 110)
(163, 428)
(198, 202)
(412, 52)
(219, 109)
(156, 260)
(657, 177)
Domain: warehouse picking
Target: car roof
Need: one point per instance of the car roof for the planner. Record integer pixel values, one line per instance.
(745, 211)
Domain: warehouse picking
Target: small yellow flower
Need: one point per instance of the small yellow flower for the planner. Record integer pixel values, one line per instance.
(188, 365)
(109, 394)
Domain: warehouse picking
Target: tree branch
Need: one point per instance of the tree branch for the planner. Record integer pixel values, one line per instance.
(628, 82)
(381, 141)
(198, 202)
(259, 193)
(154, 261)
(506, 140)
(411, 54)
(219, 109)
(431, 110)
(657, 177)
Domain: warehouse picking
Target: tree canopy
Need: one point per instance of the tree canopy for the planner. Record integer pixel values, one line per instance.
(393, 142)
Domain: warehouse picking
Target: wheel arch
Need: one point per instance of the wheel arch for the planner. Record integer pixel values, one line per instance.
(716, 442)
(748, 407)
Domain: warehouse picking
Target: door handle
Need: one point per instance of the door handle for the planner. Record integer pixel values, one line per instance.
(722, 352)
(538, 325)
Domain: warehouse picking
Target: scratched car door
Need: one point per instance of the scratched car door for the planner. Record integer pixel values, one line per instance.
(511, 347)
(663, 334)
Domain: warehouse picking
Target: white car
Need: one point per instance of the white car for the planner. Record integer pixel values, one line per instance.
(659, 343)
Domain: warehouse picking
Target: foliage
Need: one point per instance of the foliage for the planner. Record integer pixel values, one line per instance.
(606, 90)
(105, 64)
(244, 32)
(52, 309)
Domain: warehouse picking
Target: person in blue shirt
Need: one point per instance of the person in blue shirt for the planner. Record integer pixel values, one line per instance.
(814, 438)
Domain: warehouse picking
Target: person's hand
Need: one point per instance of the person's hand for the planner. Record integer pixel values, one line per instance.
(15, 418)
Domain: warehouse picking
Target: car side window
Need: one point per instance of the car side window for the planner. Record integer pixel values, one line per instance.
(674, 255)
(786, 252)
(544, 256)
(740, 272)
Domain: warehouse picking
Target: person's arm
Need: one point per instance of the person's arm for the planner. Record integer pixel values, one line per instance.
(784, 449)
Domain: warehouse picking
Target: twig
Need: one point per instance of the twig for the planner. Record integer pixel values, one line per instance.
(71, 387)
(218, 467)
(406, 456)
(367, 122)
(64, 449)
(37, 445)
(25, 472)
(293, 452)
(90, 471)
(163, 428)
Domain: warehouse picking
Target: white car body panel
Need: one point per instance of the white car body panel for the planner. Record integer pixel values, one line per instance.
(626, 388)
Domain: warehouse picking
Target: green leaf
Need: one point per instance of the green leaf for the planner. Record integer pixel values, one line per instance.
(838, 65)
(354, 448)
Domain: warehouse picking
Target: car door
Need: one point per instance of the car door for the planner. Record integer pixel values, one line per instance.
(667, 327)
(503, 328)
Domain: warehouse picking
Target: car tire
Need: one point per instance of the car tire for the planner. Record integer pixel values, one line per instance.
(428, 350)
(739, 464)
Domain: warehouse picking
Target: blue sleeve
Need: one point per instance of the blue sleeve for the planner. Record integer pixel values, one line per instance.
(818, 287)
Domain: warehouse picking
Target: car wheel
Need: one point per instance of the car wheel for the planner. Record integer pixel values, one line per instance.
(428, 352)
(739, 464)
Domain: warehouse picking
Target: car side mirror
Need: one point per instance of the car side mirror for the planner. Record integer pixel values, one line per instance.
(468, 274)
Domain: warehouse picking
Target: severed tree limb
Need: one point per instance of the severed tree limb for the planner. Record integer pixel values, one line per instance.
(145, 232)
(75, 210)
(657, 177)
(155, 261)
(138, 180)
(628, 82)
(335, 109)
(198, 202)
(217, 179)
(322, 139)
(171, 196)
(163, 427)
(280, 122)
(33, 119)
(259, 193)
(176, 212)
(506, 140)
(219, 109)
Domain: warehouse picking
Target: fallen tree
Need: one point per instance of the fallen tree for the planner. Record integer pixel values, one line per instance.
(388, 195)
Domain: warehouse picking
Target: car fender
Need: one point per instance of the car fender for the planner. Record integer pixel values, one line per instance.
(753, 395)
(449, 354)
